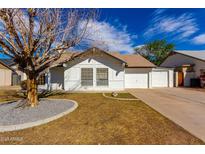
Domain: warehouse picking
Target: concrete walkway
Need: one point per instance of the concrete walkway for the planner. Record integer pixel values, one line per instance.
(184, 107)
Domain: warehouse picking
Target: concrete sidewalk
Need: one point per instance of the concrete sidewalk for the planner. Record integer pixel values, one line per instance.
(185, 107)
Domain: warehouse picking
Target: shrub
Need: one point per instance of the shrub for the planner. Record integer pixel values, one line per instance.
(24, 85)
(114, 94)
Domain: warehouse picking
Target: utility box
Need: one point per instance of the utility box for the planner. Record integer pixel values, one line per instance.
(195, 82)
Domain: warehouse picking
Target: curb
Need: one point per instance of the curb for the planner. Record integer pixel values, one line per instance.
(121, 99)
(39, 122)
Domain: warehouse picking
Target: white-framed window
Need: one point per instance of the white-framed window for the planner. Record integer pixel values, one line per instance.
(102, 76)
(87, 76)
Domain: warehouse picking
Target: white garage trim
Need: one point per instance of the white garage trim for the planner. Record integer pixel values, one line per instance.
(137, 78)
(162, 77)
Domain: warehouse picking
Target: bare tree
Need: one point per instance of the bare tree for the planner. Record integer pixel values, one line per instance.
(35, 38)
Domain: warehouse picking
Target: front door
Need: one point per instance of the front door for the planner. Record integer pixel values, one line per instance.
(180, 79)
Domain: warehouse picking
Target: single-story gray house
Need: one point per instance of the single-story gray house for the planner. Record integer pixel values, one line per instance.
(95, 69)
(188, 65)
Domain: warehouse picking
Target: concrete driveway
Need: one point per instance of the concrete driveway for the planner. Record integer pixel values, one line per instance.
(183, 106)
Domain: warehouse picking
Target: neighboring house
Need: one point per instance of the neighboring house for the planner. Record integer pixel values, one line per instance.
(189, 67)
(16, 75)
(96, 69)
(5, 74)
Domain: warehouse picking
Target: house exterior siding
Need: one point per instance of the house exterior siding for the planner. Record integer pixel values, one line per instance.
(57, 78)
(179, 60)
(72, 74)
(120, 76)
(5, 75)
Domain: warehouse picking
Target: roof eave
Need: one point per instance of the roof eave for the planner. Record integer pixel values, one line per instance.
(189, 56)
(7, 66)
(140, 66)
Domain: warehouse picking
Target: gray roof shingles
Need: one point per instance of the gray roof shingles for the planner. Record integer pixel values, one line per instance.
(200, 54)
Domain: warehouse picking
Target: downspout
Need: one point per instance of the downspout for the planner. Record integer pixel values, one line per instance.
(123, 65)
(49, 80)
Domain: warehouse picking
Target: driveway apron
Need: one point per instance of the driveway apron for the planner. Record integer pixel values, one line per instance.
(185, 107)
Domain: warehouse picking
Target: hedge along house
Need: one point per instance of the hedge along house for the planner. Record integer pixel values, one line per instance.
(95, 69)
(188, 65)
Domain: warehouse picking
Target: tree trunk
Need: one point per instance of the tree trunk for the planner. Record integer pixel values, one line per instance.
(32, 95)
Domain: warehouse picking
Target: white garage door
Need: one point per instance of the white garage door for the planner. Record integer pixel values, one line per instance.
(136, 80)
(159, 79)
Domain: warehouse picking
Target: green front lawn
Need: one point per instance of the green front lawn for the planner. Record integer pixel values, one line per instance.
(100, 120)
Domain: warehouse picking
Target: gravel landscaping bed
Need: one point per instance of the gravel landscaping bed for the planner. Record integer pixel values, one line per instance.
(11, 114)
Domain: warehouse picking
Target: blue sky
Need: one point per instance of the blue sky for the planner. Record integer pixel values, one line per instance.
(183, 27)
(123, 29)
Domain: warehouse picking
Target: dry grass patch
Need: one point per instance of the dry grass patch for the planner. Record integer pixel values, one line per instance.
(121, 95)
(8, 95)
(99, 120)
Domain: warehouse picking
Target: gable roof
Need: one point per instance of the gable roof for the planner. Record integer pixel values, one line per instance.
(134, 60)
(65, 57)
(130, 60)
(200, 54)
